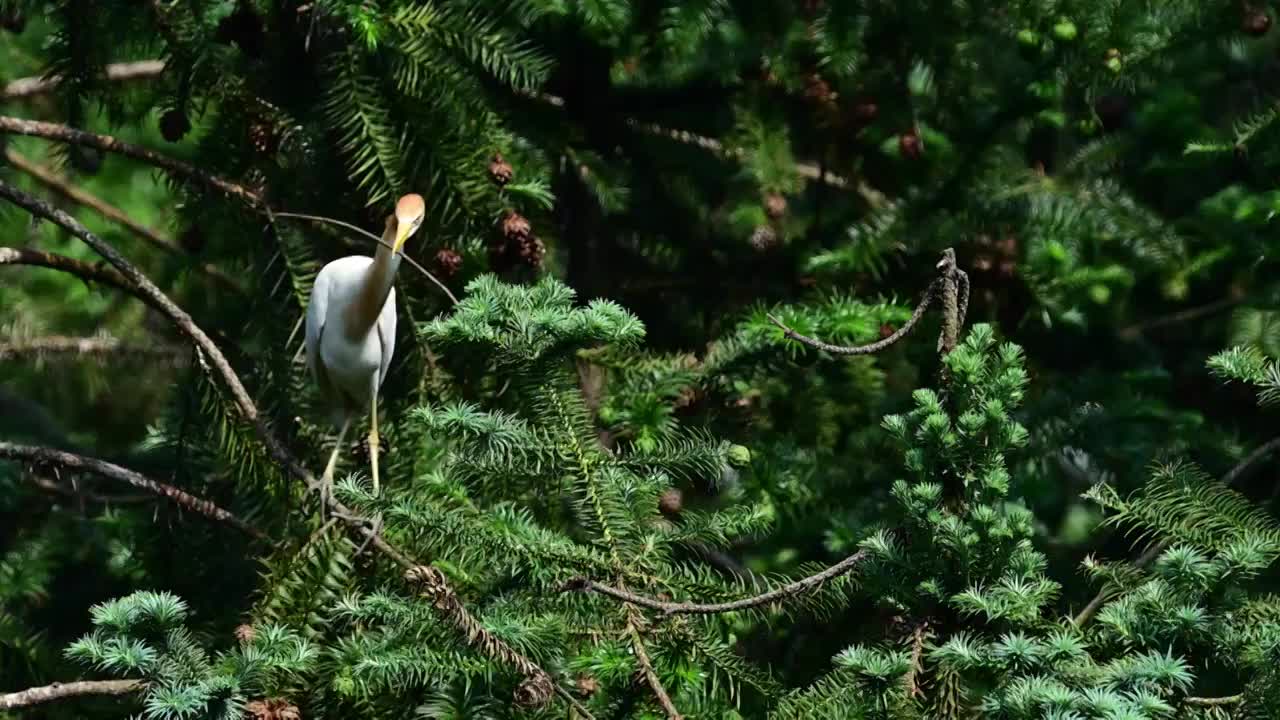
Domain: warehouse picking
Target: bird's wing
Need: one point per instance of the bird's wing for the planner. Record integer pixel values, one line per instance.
(387, 333)
(317, 306)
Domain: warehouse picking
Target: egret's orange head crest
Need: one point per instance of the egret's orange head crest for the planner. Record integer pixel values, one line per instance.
(410, 209)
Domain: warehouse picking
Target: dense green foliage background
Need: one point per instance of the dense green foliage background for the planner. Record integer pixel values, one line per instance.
(1104, 170)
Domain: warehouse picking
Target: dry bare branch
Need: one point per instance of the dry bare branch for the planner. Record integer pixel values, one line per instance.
(119, 72)
(798, 587)
(49, 457)
(96, 347)
(50, 179)
(106, 143)
(59, 691)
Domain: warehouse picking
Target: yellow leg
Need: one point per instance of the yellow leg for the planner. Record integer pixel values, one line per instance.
(326, 480)
(373, 439)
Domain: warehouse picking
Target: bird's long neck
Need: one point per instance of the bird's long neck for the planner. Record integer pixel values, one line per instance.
(374, 287)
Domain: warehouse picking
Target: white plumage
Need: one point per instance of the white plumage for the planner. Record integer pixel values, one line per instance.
(351, 330)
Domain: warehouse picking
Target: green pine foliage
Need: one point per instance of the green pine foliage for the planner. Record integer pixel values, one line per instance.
(1071, 515)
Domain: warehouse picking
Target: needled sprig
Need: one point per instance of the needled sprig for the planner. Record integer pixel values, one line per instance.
(144, 636)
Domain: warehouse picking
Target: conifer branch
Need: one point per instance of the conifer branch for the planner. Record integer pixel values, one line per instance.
(43, 456)
(537, 688)
(1233, 475)
(1190, 314)
(118, 72)
(106, 143)
(951, 288)
(59, 691)
(212, 357)
(798, 587)
(79, 268)
(64, 188)
(99, 347)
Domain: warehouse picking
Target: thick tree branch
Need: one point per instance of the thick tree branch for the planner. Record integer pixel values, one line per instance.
(42, 456)
(59, 691)
(64, 188)
(1214, 701)
(97, 347)
(119, 72)
(798, 587)
(79, 268)
(106, 143)
(1258, 454)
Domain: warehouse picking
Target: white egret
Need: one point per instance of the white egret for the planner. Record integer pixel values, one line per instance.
(351, 330)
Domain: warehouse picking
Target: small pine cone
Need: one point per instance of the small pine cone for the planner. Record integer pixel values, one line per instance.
(1113, 111)
(242, 28)
(245, 634)
(515, 226)
(865, 111)
(174, 125)
(1008, 268)
(500, 170)
(764, 238)
(85, 159)
(982, 263)
(13, 20)
(818, 90)
(1008, 246)
(192, 240)
(886, 330)
(910, 146)
(531, 251)
(535, 691)
(1256, 22)
(448, 262)
(272, 709)
(671, 502)
(775, 205)
(263, 136)
(587, 685)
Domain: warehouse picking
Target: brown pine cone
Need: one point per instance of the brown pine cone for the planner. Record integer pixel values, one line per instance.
(515, 226)
(12, 19)
(174, 125)
(272, 709)
(448, 262)
(886, 330)
(531, 250)
(263, 136)
(910, 146)
(500, 170)
(764, 238)
(245, 633)
(775, 205)
(1256, 22)
(587, 685)
(818, 89)
(671, 502)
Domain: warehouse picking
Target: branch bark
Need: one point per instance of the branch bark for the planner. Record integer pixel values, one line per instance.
(92, 346)
(106, 143)
(651, 675)
(64, 188)
(950, 288)
(31, 86)
(58, 458)
(798, 587)
(59, 691)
